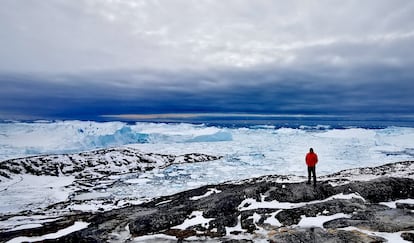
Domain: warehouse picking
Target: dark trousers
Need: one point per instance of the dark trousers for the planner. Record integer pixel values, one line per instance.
(312, 170)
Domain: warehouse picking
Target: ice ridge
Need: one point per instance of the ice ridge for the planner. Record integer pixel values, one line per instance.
(96, 164)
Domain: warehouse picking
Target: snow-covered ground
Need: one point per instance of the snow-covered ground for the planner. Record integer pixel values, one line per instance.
(247, 152)
(75, 227)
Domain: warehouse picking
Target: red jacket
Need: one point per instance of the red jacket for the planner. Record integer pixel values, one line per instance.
(311, 159)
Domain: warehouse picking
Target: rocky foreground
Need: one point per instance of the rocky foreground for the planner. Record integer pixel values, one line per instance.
(359, 205)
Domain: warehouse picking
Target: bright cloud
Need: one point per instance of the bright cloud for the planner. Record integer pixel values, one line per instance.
(150, 34)
(206, 56)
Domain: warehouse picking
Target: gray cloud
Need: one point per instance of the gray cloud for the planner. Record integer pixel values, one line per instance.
(109, 56)
(381, 90)
(69, 36)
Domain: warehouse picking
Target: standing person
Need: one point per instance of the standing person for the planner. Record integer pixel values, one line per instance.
(311, 161)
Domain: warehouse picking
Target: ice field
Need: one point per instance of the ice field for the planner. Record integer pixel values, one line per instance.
(248, 151)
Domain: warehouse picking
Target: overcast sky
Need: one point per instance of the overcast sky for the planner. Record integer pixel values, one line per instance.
(85, 58)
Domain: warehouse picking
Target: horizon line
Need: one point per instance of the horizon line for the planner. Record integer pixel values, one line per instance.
(210, 114)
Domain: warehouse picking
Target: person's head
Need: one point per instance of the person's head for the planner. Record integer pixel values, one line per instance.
(311, 150)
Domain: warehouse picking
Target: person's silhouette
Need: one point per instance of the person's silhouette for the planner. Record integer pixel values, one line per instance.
(311, 161)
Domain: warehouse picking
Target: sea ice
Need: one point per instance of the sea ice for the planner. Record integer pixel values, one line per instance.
(38, 191)
(247, 152)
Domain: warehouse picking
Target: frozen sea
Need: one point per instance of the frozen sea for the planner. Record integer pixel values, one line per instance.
(249, 149)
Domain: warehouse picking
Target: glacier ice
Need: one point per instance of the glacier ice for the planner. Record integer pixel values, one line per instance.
(20, 139)
(257, 148)
(247, 151)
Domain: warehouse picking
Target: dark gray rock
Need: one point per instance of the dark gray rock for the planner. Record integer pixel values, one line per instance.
(377, 219)
(320, 235)
(298, 192)
(226, 209)
(405, 206)
(158, 220)
(408, 236)
(293, 216)
(381, 189)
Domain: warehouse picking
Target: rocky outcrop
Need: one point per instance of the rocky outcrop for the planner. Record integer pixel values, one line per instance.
(95, 164)
(257, 209)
